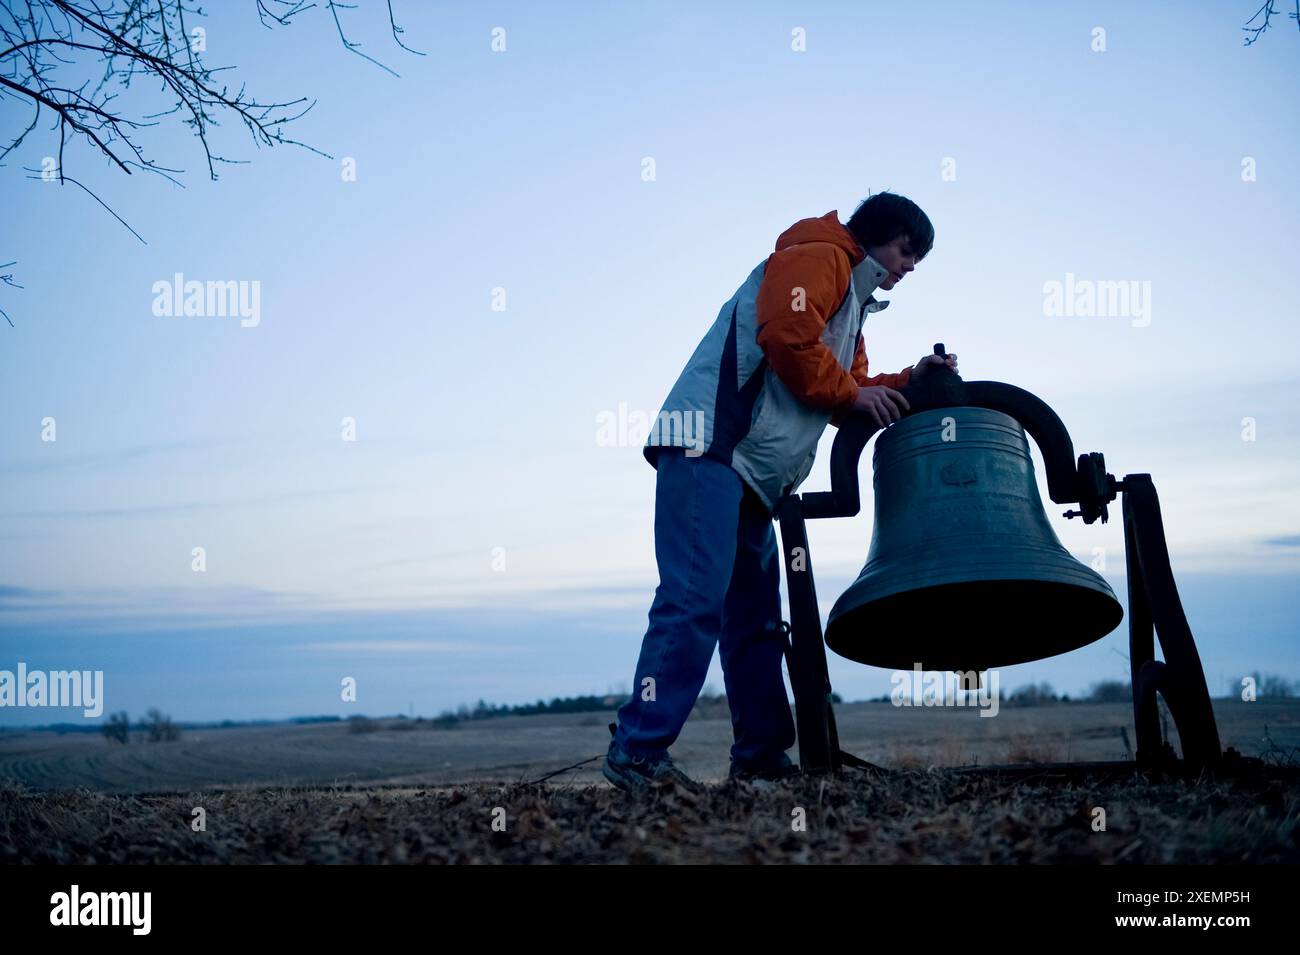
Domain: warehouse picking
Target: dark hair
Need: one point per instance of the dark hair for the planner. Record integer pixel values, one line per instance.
(885, 216)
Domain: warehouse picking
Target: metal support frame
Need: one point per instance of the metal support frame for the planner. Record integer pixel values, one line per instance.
(805, 652)
(1155, 609)
(1154, 606)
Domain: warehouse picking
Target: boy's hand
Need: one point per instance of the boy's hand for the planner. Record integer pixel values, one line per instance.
(924, 364)
(881, 404)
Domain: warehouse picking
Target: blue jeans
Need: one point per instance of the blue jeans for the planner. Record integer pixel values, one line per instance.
(719, 585)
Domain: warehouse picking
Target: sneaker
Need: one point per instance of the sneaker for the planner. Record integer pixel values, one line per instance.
(637, 774)
(783, 770)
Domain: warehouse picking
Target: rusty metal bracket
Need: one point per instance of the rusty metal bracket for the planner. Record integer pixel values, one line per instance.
(1154, 605)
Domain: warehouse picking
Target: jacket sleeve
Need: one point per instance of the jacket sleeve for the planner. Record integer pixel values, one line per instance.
(898, 380)
(814, 275)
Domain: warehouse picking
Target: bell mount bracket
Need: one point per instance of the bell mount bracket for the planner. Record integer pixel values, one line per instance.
(1155, 609)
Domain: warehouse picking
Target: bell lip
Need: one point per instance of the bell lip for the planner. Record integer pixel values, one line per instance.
(1028, 635)
(902, 582)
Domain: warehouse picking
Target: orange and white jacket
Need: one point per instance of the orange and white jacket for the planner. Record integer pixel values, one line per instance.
(783, 359)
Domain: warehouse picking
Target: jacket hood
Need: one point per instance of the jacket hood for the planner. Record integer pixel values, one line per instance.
(827, 228)
(867, 272)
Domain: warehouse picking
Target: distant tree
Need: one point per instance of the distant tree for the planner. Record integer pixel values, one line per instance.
(1111, 691)
(118, 728)
(1273, 686)
(1041, 694)
(361, 724)
(1278, 686)
(159, 728)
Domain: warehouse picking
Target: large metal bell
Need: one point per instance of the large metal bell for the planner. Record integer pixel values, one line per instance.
(964, 571)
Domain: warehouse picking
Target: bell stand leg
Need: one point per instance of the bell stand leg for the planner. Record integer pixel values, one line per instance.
(805, 653)
(1156, 611)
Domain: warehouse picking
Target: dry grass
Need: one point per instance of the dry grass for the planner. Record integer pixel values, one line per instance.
(1022, 748)
(930, 816)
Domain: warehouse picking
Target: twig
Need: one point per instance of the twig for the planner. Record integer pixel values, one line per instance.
(564, 770)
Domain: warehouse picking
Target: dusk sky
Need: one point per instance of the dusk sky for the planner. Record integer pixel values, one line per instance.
(478, 539)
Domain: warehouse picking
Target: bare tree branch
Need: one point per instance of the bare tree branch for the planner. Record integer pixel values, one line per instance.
(52, 50)
(1269, 10)
(8, 279)
(398, 30)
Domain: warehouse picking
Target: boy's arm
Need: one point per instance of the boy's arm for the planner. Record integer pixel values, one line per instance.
(802, 287)
(898, 380)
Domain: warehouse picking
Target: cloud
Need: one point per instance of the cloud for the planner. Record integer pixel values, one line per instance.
(52, 461)
(149, 608)
(7, 593)
(182, 506)
(462, 554)
(411, 646)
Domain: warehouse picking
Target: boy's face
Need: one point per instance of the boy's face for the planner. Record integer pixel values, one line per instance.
(896, 255)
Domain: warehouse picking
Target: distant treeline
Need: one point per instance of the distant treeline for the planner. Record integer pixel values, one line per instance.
(483, 710)
(1267, 686)
(115, 720)
(1042, 694)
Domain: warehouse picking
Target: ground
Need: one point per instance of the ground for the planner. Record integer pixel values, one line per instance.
(324, 794)
(911, 816)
